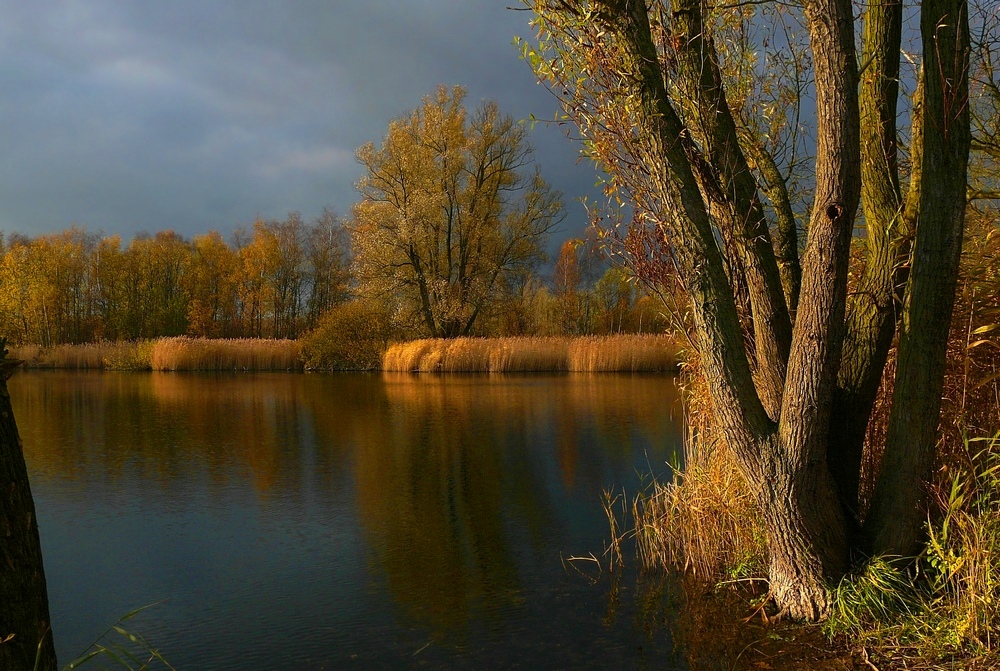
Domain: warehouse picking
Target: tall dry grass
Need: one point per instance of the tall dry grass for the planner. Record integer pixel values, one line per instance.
(590, 354)
(168, 354)
(243, 354)
(129, 355)
(705, 521)
(943, 605)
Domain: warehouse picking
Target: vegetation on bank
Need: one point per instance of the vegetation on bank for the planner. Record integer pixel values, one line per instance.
(273, 280)
(168, 354)
(941, 610)
(474, 268)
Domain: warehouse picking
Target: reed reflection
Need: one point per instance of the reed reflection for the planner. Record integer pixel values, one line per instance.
(165, 429)
(455, 479)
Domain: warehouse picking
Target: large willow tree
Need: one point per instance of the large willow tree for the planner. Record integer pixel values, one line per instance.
(792, 362)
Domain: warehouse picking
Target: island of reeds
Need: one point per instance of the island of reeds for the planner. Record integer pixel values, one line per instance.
(589, 354)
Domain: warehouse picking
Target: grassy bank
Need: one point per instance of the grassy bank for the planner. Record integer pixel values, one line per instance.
(940, 610)
(936, 611)
(168, 354)
(593, 354)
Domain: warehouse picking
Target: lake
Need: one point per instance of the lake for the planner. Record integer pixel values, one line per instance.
(305, 521)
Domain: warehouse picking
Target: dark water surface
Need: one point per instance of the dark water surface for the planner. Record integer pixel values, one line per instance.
(345, 521)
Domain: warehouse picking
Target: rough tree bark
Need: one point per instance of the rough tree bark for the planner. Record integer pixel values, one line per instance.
(24, 604)
(872, 315)
(616, 70)
(895, 521)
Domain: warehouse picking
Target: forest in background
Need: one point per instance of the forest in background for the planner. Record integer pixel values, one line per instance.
(276, 279)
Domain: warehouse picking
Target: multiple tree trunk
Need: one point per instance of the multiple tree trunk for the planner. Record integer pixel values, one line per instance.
(794, 396)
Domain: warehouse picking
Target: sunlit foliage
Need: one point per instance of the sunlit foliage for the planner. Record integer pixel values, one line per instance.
(451, 209)
(78, 287)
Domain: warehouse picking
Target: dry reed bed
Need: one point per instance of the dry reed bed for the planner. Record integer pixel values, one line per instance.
(87, 356)
(590, 354)
(168, 354)
(183, 353)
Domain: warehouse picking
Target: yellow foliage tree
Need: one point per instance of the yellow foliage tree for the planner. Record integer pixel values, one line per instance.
(449, 210)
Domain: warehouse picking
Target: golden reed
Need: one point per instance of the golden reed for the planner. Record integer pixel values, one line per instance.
(250, 354)
(168, 354)
(591, 354)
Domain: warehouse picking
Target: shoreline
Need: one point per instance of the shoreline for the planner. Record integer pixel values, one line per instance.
(625, 353)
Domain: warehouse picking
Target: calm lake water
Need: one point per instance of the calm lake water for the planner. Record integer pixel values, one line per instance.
(346, 521)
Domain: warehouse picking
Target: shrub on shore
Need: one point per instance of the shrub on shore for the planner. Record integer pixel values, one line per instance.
(351, 336)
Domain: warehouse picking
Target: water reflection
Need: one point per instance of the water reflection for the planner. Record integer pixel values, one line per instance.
(420, 507)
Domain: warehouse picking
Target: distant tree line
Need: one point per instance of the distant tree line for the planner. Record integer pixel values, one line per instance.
(275, 279)
(270, 281)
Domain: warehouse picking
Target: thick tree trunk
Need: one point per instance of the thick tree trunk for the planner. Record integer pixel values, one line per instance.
(784, 461)
(25, 629)
(807, 547)
(897, 517)
(873, 313)
(738, 205)
(807, 535)
(786, 234)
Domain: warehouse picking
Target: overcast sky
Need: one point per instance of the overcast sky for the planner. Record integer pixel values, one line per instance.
(127, 116)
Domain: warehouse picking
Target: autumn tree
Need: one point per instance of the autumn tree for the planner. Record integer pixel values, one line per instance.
(792, 370)
(24, 294)
(327, 254)
(142, 291)
(211, 285)
(578, 266)
(65, 268)
(288, 278)
(47, 293)
(450, 207)
(572, 305)
(257, 253)
(616, 297)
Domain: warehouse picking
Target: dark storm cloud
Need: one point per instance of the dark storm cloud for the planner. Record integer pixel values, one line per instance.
(128, 116)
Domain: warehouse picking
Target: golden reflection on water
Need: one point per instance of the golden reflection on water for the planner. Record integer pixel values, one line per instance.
(453, 476)
(452, 471)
